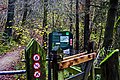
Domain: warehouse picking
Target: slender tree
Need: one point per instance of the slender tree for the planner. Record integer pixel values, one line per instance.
(77, 26)
(45, 14)
(53, 19)
(101, 31)
(25, 12)
(71, 2)
(110, 68)
(86, 23)
(45, 23)
(45, 35)
(10, 20)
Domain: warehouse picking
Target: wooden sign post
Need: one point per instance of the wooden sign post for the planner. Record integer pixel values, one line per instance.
(35, 61)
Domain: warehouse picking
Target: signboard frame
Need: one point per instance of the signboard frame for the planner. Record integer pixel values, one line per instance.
(56, 37)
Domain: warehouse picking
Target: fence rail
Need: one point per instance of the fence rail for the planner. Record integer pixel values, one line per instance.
(76, 77)
(12, 72)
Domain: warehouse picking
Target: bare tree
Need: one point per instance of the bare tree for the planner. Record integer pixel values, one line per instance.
(71, 2)
(86, 23)
(10, 19)
(77, 25)
(25, 12)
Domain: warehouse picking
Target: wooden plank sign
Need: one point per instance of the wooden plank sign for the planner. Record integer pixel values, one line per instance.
(74, 60)
(35, 61)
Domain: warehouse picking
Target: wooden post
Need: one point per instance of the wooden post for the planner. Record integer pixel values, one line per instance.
(35, 61)
(56, 58)
(55, 66)
(88, 69)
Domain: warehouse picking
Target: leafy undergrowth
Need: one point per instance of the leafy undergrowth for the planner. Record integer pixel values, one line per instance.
(23, 40)
(20, 66)
(3, 49)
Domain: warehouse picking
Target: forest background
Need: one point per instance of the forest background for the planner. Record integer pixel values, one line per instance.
(94, 20)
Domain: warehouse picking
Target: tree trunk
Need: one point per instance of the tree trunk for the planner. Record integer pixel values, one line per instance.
(45, 24)
(101, 31)
(45, 14)
(10, 20)
(45, 36)
(77, 26)
(25, 12)
(117, 46)
(71, 2)
(86, 27)
(53, 19)
(109, 69)
(110, 23)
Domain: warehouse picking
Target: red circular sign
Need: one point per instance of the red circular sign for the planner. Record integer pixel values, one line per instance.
(37, 74)
(36, 57)
(36, 65)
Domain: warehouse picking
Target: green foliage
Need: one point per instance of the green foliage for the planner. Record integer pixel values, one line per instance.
(21, 35)
(21, 66)
(8, 46)
(109, 55)
(66, 74)
(103, 57)
(117, 23)
(3, 48)
(98, 77)
(74, 70)
(102, 52)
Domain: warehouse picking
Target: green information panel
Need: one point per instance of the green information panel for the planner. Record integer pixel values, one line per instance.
(62, 39)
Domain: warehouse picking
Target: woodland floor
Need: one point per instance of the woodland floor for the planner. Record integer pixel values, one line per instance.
(9, 61)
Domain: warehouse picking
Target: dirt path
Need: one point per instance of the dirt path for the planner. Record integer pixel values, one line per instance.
(10, 59)
(8, 62)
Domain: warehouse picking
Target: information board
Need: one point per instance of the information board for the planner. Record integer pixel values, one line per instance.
(62, 39)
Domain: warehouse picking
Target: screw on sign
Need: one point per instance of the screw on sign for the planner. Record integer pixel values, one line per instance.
(37, 74)
(71, 42)
(36, 57)
(36, 65)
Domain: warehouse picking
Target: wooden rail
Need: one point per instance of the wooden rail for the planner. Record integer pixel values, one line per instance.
(74, 60)
(80, 54)
(76, 77)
